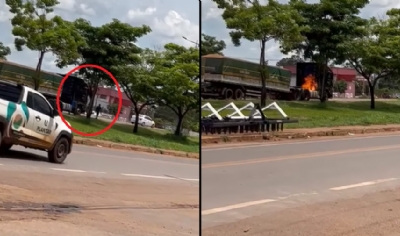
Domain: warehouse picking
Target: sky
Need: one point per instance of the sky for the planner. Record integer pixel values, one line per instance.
(170, 21)
(213, 24)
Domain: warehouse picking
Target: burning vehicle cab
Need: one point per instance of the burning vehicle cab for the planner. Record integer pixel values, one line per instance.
(309, 79)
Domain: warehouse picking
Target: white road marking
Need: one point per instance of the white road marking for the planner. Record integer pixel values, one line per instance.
(362, 184)
(69, 170)
(157, 177)
(236, 206)
(147, 176)
(96, 172)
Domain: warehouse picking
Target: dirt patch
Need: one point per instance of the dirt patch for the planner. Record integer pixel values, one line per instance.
(372, 215)
(128, 147)
(299, 134)
(65, 204)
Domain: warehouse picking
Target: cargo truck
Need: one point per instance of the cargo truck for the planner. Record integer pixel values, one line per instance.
(229, 78)
(73, 88)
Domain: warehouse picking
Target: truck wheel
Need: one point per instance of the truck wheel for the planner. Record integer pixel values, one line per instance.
(239, 94)
(307, 95)
(228, 94)
(60, 151)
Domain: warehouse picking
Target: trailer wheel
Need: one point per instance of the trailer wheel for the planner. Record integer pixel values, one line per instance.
(307, 95)
(239, 94)
(228, 94)
(298, 95)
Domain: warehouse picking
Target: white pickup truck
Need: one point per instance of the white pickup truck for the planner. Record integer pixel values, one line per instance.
(28, 119)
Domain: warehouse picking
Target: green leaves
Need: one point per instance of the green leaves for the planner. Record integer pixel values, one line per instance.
(178, 70)
(252, 20)
(325, 26)
(210, 45)
(4, 51)
(34, 29)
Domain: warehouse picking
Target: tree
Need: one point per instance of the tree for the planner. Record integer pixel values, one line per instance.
(210, 45)
(33, 29)
(374, 55)
(4, 51)
(340, 86)
(290, 61)
(325, 27)
(178, 68)
(250, 20)
(139, 82)
(110, 46)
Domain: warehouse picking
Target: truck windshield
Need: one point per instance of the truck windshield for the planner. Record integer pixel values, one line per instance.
(10, 92)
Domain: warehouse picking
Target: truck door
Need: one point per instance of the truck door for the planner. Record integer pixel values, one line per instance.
(43, 124)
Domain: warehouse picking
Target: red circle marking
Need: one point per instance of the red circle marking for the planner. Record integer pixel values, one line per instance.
(59, 95)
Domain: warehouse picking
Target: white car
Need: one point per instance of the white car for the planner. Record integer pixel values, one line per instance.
(143, 120)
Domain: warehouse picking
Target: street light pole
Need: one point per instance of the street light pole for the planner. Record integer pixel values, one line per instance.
(196, 43)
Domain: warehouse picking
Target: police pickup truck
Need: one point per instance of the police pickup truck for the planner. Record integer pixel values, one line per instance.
(28, 119)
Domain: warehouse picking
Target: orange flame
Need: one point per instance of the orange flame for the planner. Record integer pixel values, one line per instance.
(310, 83)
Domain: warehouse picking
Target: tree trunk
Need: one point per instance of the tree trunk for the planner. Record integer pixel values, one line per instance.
(372, 94)
(90, 108)
(263, 75)
(36, 79)
(322, 94)
(136, 125)
(179, 125)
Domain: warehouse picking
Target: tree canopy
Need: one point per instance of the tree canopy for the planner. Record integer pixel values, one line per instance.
(139, 82)
(110, 46)
(372, 55)
(255, 21)
(4, 51)
(326, 26)
(210, 45)
(290, 61)
(33, 29)
(178, 70)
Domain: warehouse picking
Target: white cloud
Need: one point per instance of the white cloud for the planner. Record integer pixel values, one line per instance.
(213, 24)
(169, 21)
(87, 10)
(136, 13)
(68, 5)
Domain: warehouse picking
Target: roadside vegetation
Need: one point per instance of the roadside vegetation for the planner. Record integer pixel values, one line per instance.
(122, 133)
(313, 114)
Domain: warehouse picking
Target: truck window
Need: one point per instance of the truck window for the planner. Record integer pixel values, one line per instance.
(10, 92)
(38, 104)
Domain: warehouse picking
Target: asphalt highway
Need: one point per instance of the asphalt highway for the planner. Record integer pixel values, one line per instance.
(240, 182)
(98, 191)
(109, 162)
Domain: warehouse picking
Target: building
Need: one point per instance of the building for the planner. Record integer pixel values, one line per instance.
(346, 74)
(109, 96)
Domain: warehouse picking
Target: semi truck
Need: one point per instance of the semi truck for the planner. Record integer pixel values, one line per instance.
(229, 78)
(73, 88)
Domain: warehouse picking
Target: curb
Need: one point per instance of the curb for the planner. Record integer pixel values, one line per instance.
(128, 147)
(278, 136)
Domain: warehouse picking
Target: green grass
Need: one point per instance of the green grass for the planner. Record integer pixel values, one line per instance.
(313, 114)
(122, 133)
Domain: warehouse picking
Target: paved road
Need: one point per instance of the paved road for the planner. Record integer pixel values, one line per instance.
(110, 162)
(240, 182)
(101, 192)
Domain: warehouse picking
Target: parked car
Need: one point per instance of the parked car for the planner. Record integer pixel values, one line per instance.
(143, 121)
